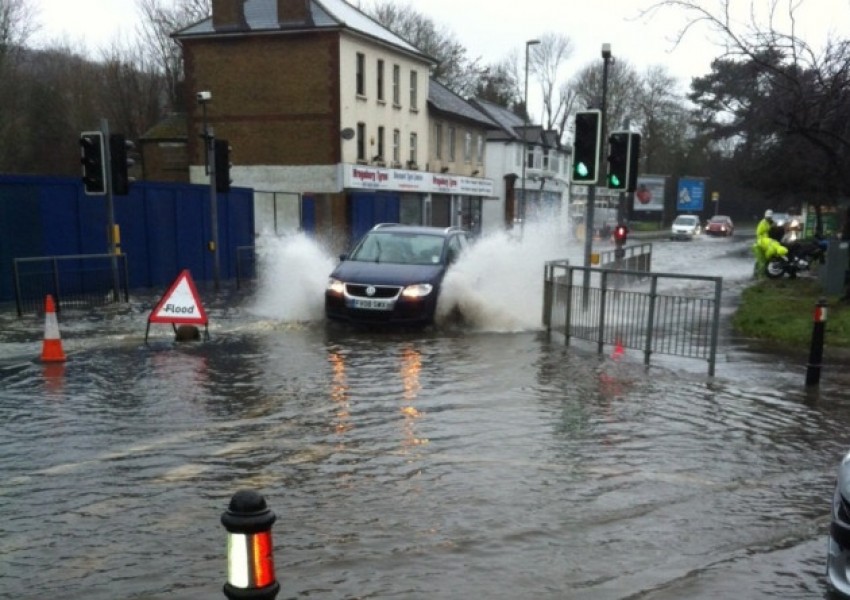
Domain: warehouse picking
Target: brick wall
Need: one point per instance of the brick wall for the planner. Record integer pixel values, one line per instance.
(274, 97)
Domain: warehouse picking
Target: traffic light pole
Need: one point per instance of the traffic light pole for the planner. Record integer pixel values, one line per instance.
(213, 245)
(591, 191)
(209, 157)
(110, 213)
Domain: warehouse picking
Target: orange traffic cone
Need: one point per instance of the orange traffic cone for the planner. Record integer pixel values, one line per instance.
(51, 349)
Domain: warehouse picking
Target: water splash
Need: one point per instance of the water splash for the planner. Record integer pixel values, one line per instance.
(293, 272)
(498, 284)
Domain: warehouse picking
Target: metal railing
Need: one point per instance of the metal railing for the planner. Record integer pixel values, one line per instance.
(76, 280)
(656, 313)
(636, 258)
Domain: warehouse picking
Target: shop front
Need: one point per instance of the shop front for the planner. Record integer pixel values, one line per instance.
(379, 195)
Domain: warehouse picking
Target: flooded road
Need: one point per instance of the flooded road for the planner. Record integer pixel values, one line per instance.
(468, 460)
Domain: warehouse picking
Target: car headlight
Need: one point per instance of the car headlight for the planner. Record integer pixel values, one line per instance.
(335, 286)
(417, 290)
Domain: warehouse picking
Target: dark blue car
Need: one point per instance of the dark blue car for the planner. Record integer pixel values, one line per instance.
(393, 275)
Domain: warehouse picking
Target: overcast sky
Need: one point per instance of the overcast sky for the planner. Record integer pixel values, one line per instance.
(490, 29)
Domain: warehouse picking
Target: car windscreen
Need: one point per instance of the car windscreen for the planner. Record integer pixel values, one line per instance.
(400, 248)
(685, 221)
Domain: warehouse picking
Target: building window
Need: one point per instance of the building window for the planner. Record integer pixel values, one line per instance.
(438, 140)
(396, 85)
(529, 156)
(361, 74)
(380, 75)
(413, 148)
(451, 144)
(467, 147)
(413, 85)
(480, 150)
(361, 141)
(396, 146)
(545, 160)
(380, 143)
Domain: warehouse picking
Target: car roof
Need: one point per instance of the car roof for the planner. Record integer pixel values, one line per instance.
(720, 218)
(420, 229)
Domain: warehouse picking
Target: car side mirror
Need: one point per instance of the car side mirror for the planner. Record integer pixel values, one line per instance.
(343, 257)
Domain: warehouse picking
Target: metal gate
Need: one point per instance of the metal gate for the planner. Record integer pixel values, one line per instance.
(656, 313)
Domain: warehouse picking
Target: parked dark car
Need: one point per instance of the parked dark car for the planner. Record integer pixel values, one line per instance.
(393, 275)
(720, 225)
(838, 550)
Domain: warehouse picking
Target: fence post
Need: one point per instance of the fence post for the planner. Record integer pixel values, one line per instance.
(548, 287)
(816, 349)
(603, 294)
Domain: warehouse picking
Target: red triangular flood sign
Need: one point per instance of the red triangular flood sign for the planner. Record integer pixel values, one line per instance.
(180, 304)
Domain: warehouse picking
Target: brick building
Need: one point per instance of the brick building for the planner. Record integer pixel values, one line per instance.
(317, 99)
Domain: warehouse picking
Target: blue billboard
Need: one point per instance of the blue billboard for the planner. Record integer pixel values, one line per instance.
(690, 195)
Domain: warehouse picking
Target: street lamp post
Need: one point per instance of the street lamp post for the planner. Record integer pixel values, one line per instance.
(528, 44)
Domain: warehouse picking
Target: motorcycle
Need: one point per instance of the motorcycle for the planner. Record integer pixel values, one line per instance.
(800, 257)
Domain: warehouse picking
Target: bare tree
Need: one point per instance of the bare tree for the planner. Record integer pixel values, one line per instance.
(623, 86)
(131, 90)
(776, 94)
(159, 20)
(546, 62)
(17, 24)
(454, 69)
(662, 117)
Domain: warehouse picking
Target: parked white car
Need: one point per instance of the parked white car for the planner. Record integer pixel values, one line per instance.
(685, 227)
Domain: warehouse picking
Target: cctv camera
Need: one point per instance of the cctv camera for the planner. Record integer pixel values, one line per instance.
(204, 96)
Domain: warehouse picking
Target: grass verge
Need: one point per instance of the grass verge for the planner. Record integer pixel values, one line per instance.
(783, 310)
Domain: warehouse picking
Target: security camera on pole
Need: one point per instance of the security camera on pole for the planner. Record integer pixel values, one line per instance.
(204, 98)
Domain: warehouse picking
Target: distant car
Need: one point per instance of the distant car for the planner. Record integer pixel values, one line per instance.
(685, 227)
(720, 225)
(393, 275)
(838, 550)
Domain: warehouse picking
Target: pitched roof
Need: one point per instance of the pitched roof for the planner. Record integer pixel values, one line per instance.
(261, 17)
(445, 101)
(512, 126)
(507, 121)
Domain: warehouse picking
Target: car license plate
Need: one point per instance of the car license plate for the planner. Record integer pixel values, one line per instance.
(372, 304)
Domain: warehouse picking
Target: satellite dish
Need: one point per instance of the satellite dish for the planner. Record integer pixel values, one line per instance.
(347, 133)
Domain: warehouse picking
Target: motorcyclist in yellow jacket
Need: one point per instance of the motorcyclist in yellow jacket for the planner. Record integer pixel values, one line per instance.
(765, 246)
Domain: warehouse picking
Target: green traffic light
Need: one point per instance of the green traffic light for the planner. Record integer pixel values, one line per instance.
(614, 181)
(581, 170)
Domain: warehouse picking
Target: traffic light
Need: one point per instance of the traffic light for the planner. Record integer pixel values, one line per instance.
(618, 160)
(222, 166)
(586, 146)
(634, 158)
(119, 163)
(623, 157)
(621, 234)
(94, 163)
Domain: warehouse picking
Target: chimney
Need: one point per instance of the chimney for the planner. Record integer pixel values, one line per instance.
(294, 12)
(228, 15)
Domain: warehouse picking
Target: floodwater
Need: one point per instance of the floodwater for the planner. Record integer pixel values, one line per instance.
(470, 460)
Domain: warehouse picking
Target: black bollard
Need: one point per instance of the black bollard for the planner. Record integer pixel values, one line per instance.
(816, 351)
(250, 552)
